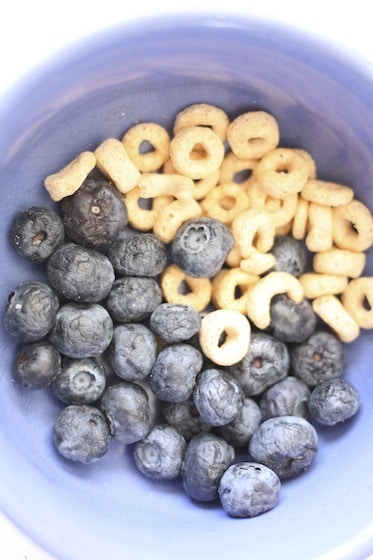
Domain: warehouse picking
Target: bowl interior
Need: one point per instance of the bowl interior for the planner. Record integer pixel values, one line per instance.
(147, 71)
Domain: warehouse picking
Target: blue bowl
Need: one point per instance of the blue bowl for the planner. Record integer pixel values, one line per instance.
(149, 70)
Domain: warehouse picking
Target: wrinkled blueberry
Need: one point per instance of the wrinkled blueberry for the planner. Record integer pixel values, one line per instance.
(80, 381)
(248, 489)
(30, 311)
(200, 247)
(290, 254)
(126, 406)
(79, 273)
(95, 214)
(36, 365)
(174, 372)
(290, 321)
(36, 233)
(82, 330)
(132, 351)
(81, 433)
(317, 359)
(140, 254)
(266, 363)
(206, 458)
(185, 417)
(285, 444)
(288, 397)
(333, 401)
(160, 454)
(133, 298)
(239, 431)
(217, 396)
(175, 322)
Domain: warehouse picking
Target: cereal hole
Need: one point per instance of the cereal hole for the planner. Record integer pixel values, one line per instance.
(241, 176)
(146, 147)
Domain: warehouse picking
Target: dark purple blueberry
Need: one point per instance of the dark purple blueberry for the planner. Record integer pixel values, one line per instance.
(290, 321)
(133, 299)
(140, 254)
(185, 417)
(175, 322)
(36, 365)
(288, 397)
(80, 381)
(133, 351)
(333, 401)
(239, 431)
(290, 254)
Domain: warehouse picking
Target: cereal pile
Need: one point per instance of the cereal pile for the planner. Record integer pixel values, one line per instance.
(195, 286)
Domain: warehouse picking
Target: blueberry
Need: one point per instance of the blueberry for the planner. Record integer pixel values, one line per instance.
(206, 458)
(140, 254)
(217, 396)
(185, 417)
(132, 351)
(82, 330)
(285, 444)
(160, 454)
(317, 359)
(95, 214)
(290, 321)
(36, 365)
(80, 381)
(175, 322)
(79, 273)
(30, 311)
(36, 233)
(174, 372)
(333, 401)
(290, 254)
(239, 431)
(288, 397)
(126, 406)
(200, 247)
(248, 489)
(266, 363)
(133, 298)
(81, 433)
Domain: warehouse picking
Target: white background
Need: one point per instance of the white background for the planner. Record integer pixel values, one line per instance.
(31, 31)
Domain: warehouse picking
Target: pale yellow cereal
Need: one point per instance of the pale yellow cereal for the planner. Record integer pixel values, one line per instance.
(233, 257)
(281, 172)
(286, 229)
(300, 220)
(253, 134)
(69, 179)
(358, 301)
(236, 330)
(327, 193)
(353, 226)
(141, 217)
(331, 310)
(320, 233)
(340, 261)
(310, 162)
(203, 114)
(201, 186)
(114, 162)
(316, 285)
(256, 262)
(284, 213)
(253, 229)
(153, 135)
(232, 166)
(197, 292)
(225, 202)
(171, 217)
(152, 185)
(230, 288)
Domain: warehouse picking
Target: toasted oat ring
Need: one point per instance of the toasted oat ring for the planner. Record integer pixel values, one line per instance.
(225, 286)
(234, 257)
(225, 202)
(259, 297)
(331, 310)
(69, 179)
(316, 285)
(340, 261)
(285, 212)
(357, 292)
(201, 186)
(286, 229)
(153, 134)
(353, 226)
(300, 219)
(327, 193)
(172, 282)
(159, 184)
(203, 114)
(140, 217)
(320, 234)
(113, 161)
(310, 162)
(196, 152)
(253, 229)
(253, 134)
(257, 263)
(232, 325)
(233, 167)
(281, 172)
(171, 217)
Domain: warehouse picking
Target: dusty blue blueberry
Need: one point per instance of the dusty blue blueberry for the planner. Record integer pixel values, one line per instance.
(133, 351)
(126, 406)
(200, 247)
(248, 489)
(80, 381)
(82, 330)
(285, 444)
(30, 311)
(320, 357)
(288, 397)
(266, 363)
(206, 458)
(81, 433)
(290, 321)
(185, 417)
(218, 397)
(36, 365)
(79, 273)
(160, 454)
(140, 254)
(333, 401)
(239, 431)
(175, 322)
(95, 214)
(133, 298)
(36, 232)
(174, 372)
(291, 255)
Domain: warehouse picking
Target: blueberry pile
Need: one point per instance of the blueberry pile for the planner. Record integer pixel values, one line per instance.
(125, 364)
